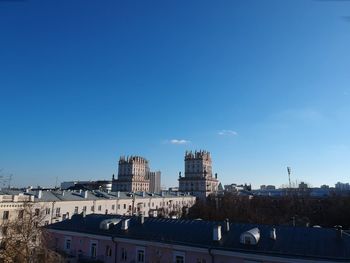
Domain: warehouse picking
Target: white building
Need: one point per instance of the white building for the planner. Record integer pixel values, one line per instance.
(61, 205)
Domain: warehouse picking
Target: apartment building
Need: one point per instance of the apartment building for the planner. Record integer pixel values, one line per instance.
(106, 238)
(61, 205)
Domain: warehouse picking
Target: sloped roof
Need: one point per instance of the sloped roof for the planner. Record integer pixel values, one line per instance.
(57, 195)
(294, 242)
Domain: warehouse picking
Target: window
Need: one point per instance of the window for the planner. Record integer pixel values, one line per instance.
(124, 254)
(20, 214)
(124, 206)
(58, 212)
(76, 210)
(99, 208)
(47, 211)
(5, 215)
(179, 257)
(113, 207)
(108, 251)
(140, 256)
(37, 211)
(4, 230)
(93, 250)
(84, 208)
(92, 208)
(118, 206)
(67, 243)
(46, 222)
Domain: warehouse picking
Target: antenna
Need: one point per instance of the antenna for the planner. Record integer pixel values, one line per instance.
(289, 170)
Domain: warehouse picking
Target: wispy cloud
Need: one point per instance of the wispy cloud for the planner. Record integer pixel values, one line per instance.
(178, 141)
(227, 133)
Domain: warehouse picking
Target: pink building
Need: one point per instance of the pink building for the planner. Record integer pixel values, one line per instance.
(108, 238)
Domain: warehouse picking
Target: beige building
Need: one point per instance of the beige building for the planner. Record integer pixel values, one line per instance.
(61, 205)
(132, 174)
(198, 179)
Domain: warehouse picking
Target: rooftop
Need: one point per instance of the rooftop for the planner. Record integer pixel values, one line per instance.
(294, 242)
(60, 195)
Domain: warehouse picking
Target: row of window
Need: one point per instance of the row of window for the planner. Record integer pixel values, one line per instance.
(11, 205)
(178, 256)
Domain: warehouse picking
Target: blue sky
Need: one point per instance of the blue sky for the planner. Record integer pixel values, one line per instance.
(260, 84)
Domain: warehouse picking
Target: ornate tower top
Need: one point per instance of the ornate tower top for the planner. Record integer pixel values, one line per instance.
(202, 154)
(132, 159)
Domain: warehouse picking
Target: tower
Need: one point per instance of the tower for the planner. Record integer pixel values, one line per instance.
(132, 174)
(198, 179)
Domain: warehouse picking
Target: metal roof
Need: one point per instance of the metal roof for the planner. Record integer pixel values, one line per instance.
(59, 195)
(294, 242)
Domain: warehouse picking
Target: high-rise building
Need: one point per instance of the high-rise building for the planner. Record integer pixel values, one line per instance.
(132, 174)
(154, 182)
(198, 179)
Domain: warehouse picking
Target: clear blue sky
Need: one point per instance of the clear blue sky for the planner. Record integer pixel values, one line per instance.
(260, 84)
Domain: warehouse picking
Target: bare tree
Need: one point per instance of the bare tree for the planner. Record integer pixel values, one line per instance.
(24, 239)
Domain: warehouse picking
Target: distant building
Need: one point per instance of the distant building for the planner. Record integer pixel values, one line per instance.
(154, 182)
(342, 186)
(132, 175)
(267, 187)
(113, 239)
(198, 179)
(103, 185)
(303, 185)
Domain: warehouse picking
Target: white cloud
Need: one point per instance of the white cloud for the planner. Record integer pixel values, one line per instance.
(227, 133)
(178, 142)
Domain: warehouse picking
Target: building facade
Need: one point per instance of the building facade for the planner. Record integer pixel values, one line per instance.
(133, 175)
(154, 182)
(140, 240)
(198, 179)
(61, 205)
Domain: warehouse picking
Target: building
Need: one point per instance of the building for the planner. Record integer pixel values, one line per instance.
(267, 187)
(133, 174)
(103, 185)
(60, 205)
(106, 238)
(342, 186)
(154, 182)
(198, 179)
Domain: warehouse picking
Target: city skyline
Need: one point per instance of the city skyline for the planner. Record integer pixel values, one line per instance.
(261, 85)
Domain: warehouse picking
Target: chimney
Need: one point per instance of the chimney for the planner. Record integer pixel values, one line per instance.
(227, 225)
(217, 233)
(118, 194)
(143, 194)
(125, 224)
(79, 191)
(85, 194)
(63, 193)
(273, 233)
(40, 193)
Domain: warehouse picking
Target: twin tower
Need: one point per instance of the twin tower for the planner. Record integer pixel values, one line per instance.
(134, 175)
